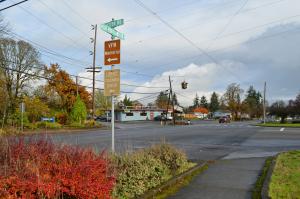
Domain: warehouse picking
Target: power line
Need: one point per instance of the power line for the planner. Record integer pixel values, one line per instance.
(228, 23)
(74, 11)
(12, 5)
(43, 77)
(45, 49)
(123, 84)
(197, 24)
(52, 28)
(181, 35)
(62, 17)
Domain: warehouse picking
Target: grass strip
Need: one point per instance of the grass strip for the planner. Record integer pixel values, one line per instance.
(256, 193)
(289, 125)
(285, 179)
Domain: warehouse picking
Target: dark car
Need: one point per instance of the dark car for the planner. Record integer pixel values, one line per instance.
(159, 118)
(103, 118)
(224, 119)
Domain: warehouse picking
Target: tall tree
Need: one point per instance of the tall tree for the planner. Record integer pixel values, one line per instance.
(196, 102)
(102, 103)
(297, 104)
(61, 82)
(279, 109)
(35, 108)
(126, 101)
(214, 102)
(78, 112)
(203, 102)
(253, 102)
(19, 62)
(175, 100)
(232, 99)
(162, 100)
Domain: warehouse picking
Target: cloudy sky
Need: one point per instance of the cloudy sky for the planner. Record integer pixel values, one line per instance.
(210, 44)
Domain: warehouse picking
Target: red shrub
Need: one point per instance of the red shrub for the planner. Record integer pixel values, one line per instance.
(35, 169)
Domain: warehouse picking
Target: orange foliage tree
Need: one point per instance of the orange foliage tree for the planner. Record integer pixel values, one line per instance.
(201, 110)
(61, 82)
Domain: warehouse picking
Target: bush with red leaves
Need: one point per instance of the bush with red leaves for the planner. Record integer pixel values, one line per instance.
(40, 169)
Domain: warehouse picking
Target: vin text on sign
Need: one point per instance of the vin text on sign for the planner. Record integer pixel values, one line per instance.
(112, 53)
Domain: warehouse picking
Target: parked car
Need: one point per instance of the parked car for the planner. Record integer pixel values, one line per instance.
(224, 119)
(103, 118)
(162, 117)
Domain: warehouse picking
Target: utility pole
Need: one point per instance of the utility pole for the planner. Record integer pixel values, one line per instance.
(171, 95)
(166, 118)
(94, 69)
(264, 102)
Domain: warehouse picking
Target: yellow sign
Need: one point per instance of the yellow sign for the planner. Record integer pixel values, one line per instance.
(112, 82)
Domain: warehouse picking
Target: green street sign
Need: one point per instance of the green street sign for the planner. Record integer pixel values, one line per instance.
(115, 23)
(109, 28)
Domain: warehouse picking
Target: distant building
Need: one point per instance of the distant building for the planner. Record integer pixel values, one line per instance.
(201, 112)
(220, 113)
(137, 113)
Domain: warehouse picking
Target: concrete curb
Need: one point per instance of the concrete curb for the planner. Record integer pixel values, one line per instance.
(265, 188)
(153, 192)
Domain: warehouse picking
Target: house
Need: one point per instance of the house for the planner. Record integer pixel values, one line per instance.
(220, 113)
(201, 112)
(137, 113)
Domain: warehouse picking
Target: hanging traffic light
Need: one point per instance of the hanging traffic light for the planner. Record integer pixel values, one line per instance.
(184, 85)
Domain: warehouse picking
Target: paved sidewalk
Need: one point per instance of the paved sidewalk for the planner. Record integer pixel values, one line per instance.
(226, 179)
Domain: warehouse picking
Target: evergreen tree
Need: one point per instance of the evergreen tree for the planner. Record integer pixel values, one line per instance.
(174, 98)
(78, 112)
(196, 101)
(203, 102)
(127, 101)
(253, 102)
(214, 103)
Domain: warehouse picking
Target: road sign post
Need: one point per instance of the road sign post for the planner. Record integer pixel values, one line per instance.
(112, 77)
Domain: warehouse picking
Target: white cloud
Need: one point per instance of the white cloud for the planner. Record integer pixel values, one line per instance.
(201, 79)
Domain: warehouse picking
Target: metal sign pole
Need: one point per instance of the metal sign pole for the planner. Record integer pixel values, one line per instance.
(112, 120)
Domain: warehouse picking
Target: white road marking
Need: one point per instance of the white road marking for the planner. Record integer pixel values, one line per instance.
(282, 129)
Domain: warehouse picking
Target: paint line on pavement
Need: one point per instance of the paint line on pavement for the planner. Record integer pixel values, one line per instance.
(282, 129)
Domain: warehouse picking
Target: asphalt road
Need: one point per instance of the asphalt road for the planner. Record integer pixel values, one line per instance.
(205, 140)
(239, 148)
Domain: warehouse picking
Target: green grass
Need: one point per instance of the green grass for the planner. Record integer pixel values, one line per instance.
(285, 180)
(256, 193)
(279, 125)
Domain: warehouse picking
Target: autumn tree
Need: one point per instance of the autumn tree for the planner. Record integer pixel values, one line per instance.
(214, 104)
(48, 96)
(61, 82)
(20, 65)
(232, 99)
(162, 100)
(35, 108)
